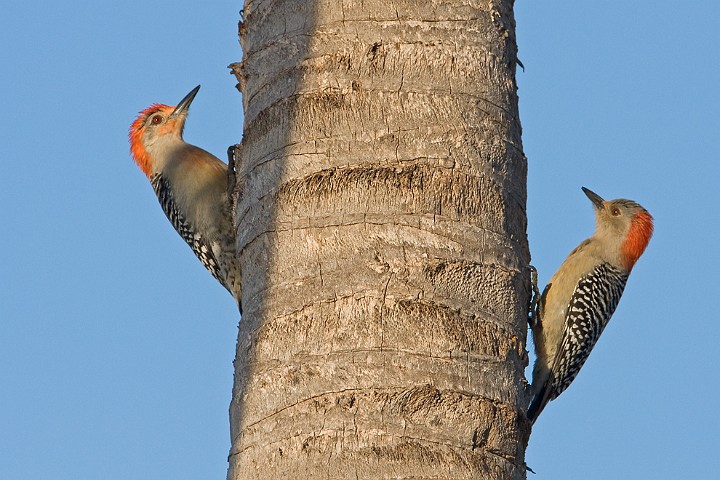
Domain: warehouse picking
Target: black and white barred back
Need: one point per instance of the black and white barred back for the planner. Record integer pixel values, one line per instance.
(198, 244)
(592, 304)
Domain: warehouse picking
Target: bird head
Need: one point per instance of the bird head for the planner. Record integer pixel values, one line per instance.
(155, 128)
(624, 220)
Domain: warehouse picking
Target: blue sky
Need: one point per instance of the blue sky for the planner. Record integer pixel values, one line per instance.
(116, 346)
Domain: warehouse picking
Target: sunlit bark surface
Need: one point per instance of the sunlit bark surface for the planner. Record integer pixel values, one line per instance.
(381, 228)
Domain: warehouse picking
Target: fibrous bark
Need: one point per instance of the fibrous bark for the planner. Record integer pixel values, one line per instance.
(381, 229)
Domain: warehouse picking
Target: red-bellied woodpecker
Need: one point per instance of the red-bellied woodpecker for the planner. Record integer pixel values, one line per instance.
(193, 186)
(580, 298)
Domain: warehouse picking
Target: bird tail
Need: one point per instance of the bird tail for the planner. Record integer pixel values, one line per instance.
(541, 398)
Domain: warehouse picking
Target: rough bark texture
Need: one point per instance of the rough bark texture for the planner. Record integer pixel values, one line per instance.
(381, 228)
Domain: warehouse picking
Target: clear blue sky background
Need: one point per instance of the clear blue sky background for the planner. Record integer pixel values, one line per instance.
(116, 346)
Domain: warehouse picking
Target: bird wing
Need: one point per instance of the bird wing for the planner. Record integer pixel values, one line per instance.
(593, 302)
(199, 245)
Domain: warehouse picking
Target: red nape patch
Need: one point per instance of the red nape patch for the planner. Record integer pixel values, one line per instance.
(137, 149)
(641, 229)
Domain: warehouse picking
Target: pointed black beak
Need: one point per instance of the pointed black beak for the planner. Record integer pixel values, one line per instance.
(596, 199)
(184, 104)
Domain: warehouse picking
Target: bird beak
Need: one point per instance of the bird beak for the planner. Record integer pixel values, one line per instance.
(595, 198)
(184, 104)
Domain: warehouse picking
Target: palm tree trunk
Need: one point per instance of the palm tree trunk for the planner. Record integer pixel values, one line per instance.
(381, 227)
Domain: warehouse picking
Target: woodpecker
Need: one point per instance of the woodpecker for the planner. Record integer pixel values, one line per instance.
(580, 298)
(193, 186)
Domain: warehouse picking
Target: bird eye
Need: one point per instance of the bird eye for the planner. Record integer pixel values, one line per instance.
(156, 119)
(616, 212)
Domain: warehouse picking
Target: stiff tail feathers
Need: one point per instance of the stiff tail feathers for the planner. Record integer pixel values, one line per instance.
(539, 401)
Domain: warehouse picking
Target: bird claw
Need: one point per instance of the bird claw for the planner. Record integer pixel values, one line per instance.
(231, 171)
(534, 308)
(232, 149)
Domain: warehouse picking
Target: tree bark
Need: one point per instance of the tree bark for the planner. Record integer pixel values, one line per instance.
(381, 229)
